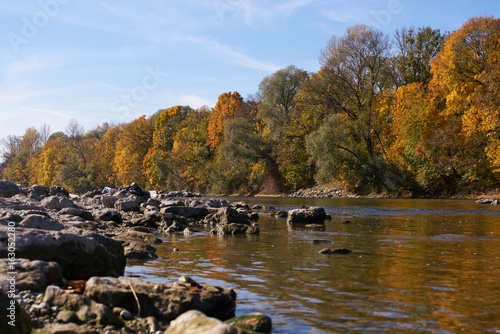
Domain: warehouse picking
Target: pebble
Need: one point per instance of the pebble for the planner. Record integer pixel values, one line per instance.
(126, 315)
(185, 279)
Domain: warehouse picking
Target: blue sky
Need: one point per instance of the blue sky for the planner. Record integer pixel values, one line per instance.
(113, 61)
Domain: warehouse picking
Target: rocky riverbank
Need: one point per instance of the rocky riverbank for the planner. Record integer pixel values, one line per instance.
(320, 192)
(63, 259)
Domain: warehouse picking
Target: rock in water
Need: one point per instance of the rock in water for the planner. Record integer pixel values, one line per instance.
(336, 251)
(195, 322)
(312, 215)
(257, 322)
(80, 256)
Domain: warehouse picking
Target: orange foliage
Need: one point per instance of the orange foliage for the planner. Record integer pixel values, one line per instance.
(228, 107)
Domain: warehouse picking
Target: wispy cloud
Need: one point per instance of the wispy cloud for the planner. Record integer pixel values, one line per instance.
(228, 54)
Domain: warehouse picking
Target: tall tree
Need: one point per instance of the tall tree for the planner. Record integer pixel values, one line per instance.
(278, 92)
(415, 50)
(467, 73)
(349, 84)
(228, 106)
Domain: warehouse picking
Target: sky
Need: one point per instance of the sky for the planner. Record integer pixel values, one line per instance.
(113, 61)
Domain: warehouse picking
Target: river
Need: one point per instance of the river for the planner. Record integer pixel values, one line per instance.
(417, 266)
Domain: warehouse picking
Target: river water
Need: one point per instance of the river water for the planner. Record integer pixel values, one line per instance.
(417, 266)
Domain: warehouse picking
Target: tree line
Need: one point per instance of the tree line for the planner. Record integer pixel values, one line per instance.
(416, 113)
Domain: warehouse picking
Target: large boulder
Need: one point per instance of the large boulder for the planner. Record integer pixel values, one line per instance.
(31, 275)
(80, 256)
(108, 215)
(38, 192)
(161, 301)
(57, 203)
(86, 310)
(313, 214)
(41, 221)
(129, 203)
(138, 244)
(8, 189)
(108, 201)
(195, 322)
(228, 215)
(13, 318)
(232, 229)
(186, 211)
(77, 212)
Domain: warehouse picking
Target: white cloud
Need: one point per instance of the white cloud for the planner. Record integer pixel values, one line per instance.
(194, 101)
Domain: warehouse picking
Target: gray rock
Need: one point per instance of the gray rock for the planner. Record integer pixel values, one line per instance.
(108, 201)
(257, 322)
(8, 189)
(70, 328)
(167, 203)
(217, 203)
(87, 310)
(186, 211)
(138, 245)
(195, 322)
(129, 203)
(31, 275)
(161, 301)
(41, 222)
(314, 214)
(108, 215)
(38, 192)
(77, 212)
(59, 191)
(233, 229)
(228, 215)
(57, 203)
(80, 256)
(66, 316)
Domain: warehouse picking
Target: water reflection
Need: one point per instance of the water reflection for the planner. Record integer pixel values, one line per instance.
(416, 267)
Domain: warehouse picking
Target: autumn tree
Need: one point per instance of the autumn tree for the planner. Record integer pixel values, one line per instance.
(132, 146)
(50, 159)
(228, 106)
(20, 154)
(467, 74)
(190, 152)
(158, 164)
(103, 168)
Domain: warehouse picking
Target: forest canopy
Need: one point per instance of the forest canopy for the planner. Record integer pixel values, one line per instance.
(416, 113)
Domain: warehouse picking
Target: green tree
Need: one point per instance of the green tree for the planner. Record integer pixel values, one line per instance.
(349, 86)
(278, 92)
(415, 50)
